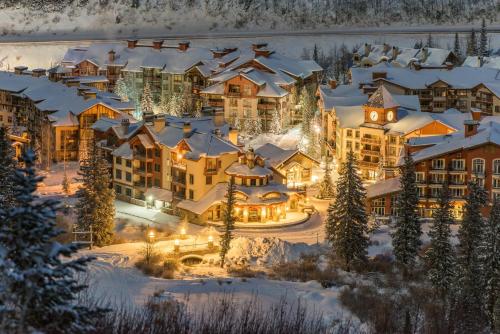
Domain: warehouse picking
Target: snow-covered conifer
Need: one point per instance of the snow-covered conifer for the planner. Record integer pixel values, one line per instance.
(406, 238)
(440, 255)
(457, 49)
(276, 122)
(470, 310)
(7, 169)
(327, 188)
(472, 44)
(39, 288)
(491, 260)
(65, 184)
(228, 220)
(121, 89)
(483, 41)
(147, 105)
(347, 222)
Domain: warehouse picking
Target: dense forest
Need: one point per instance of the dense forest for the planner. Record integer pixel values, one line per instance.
(271, 14)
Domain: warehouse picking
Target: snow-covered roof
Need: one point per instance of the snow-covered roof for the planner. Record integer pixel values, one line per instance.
(124, 151)
(383, 187)
(214, 196)
(275, 156)
(488, 62)
(61, 102)
(382, 99)
(488, 132)
(433, 56)
(241, 169)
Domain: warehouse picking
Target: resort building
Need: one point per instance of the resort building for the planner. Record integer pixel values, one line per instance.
(462, 88)
(459, 158)
(377, 128)
(424, 58)
(486, 62)
(56, 117)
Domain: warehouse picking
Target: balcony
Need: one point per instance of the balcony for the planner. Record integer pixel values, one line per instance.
(368, 164)
(179, 165)
(142, 171)
(216, 102)
(266, 106)
(142, 157)
(233, 94)
(210, 171)
(140, 184)
(179, 179)
(365, 140)
(478, 173)
(370, 152)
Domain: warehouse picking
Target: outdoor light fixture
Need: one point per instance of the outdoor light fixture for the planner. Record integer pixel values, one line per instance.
(151, 234)
(183, 233)
(177, 245)
(150, 198)
(210, 242)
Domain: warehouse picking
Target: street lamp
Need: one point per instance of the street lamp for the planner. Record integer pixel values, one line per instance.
(151, 235)
(183, 233)
(210, 242)
(177, 245)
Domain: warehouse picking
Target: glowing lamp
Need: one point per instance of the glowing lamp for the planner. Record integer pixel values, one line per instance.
(245, 212)
(210, 238)
(151, 234)
(278, 211)
(314, 178)
(183, 231)
(177, 245)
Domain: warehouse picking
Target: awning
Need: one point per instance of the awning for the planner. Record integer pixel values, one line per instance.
(159, 194)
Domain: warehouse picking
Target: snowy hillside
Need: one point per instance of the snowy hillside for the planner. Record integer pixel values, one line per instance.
(128, 17)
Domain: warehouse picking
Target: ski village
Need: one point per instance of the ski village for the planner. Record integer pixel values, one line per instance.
(183, 185)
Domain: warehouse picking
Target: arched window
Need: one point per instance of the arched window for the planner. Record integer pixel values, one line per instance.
(478, 166)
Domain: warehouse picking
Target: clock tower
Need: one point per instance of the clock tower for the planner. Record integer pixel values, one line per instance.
(381, 107)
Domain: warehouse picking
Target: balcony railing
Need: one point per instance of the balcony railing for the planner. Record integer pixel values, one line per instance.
(370, 152)
(233, 94)
(179, 179)
(178, 164)
(266, 105)
(368, 164)
(216, 102)
(210, 171)
(365, 140)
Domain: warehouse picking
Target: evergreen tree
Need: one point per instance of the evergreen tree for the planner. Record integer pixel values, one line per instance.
(491, 260)
(472, 44)
(228, 220)
(470, 313)
(457, 50)
(95, 206)
(276, 123)
(483, 41)
(65, 184)
(430, 42)
(326, 188)
(38, 287)
(121, 89)
(316, 54)
(7, 170)
(347, 222)
(440, 256)
(147, 104)
(406, 238)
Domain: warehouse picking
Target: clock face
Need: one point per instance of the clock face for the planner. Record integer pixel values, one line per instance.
(374, 115)
(390, 116)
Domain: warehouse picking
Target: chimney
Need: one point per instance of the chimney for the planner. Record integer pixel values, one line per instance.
(368, 49)
(81, 90)
(395, 52)
(471, 127)
(183, 46)
(449, 65)
(262, 53)
(38, 72)
(425, 54)
(218, 133)
(125, 123)
(233, 136)
(157, 44)
(476, 114)
(186, 129)
(379, 75)
(132, 43)
(20, 69)
(218, 117)
(111, 56)
(158, 124)
(73, 83)
(387, 47)
(332, 83)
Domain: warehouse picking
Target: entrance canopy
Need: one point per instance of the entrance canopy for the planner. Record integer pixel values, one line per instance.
(159, 194)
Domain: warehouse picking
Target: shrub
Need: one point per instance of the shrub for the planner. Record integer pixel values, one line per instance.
(243, 271)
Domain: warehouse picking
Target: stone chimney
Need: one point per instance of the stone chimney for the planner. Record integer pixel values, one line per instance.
(218, 117)
(132, 43)
(395, 52)
(332, 83)
(218, 133)
(158, 124)
(471, 127)
(81, 90)
(250, 157)
(183, 46)
(256, 46)
(111, 56)
(20, 69)
(186, 129)
(262, 53)
(157, 44)
(125, 123)
(233, 136)
(89, 95)
(477, 114)
(38, 72)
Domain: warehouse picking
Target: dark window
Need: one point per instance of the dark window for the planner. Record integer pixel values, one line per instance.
(253, 182)
(157, 182)
(157, 167)
(209, 180)
(191, 194)
(128, 192)
(118, 160)
(128, 176)
(191, 179)
(118, 174)
(118, 189)
(128, 163)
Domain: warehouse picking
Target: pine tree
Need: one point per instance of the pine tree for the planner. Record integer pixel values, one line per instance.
(276, 123)
(472, 44)
(65, 184)
(39, 290)
(326, 188)
(7, 170)
(440, 256)
(316, 53)
(147, 105)
(483, 41)
(470, 283)
(228, 220)
(430, 42)
(95, 206)
(491, 260)
(457, 50)
(347, 222)
(121, 89)
(406, 238)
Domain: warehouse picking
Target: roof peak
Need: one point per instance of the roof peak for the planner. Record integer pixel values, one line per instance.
(382, 98)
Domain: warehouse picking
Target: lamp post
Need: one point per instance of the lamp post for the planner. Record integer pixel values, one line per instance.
(210, 242)
(183, 233)
(177, 245)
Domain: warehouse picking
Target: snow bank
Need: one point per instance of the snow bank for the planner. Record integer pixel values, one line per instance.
(263, 251)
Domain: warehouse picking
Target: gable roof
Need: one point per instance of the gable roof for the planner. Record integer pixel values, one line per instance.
(382, 99)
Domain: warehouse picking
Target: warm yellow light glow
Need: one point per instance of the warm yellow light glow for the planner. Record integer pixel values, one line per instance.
(180, 156)
(245, 212)
(177, 242)
(278, 211)
(183, 231)
(210, 238)
(263, 210)
(237, 210)
(150, 198)
(314, 178)
(286, 208)
(151, 234)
